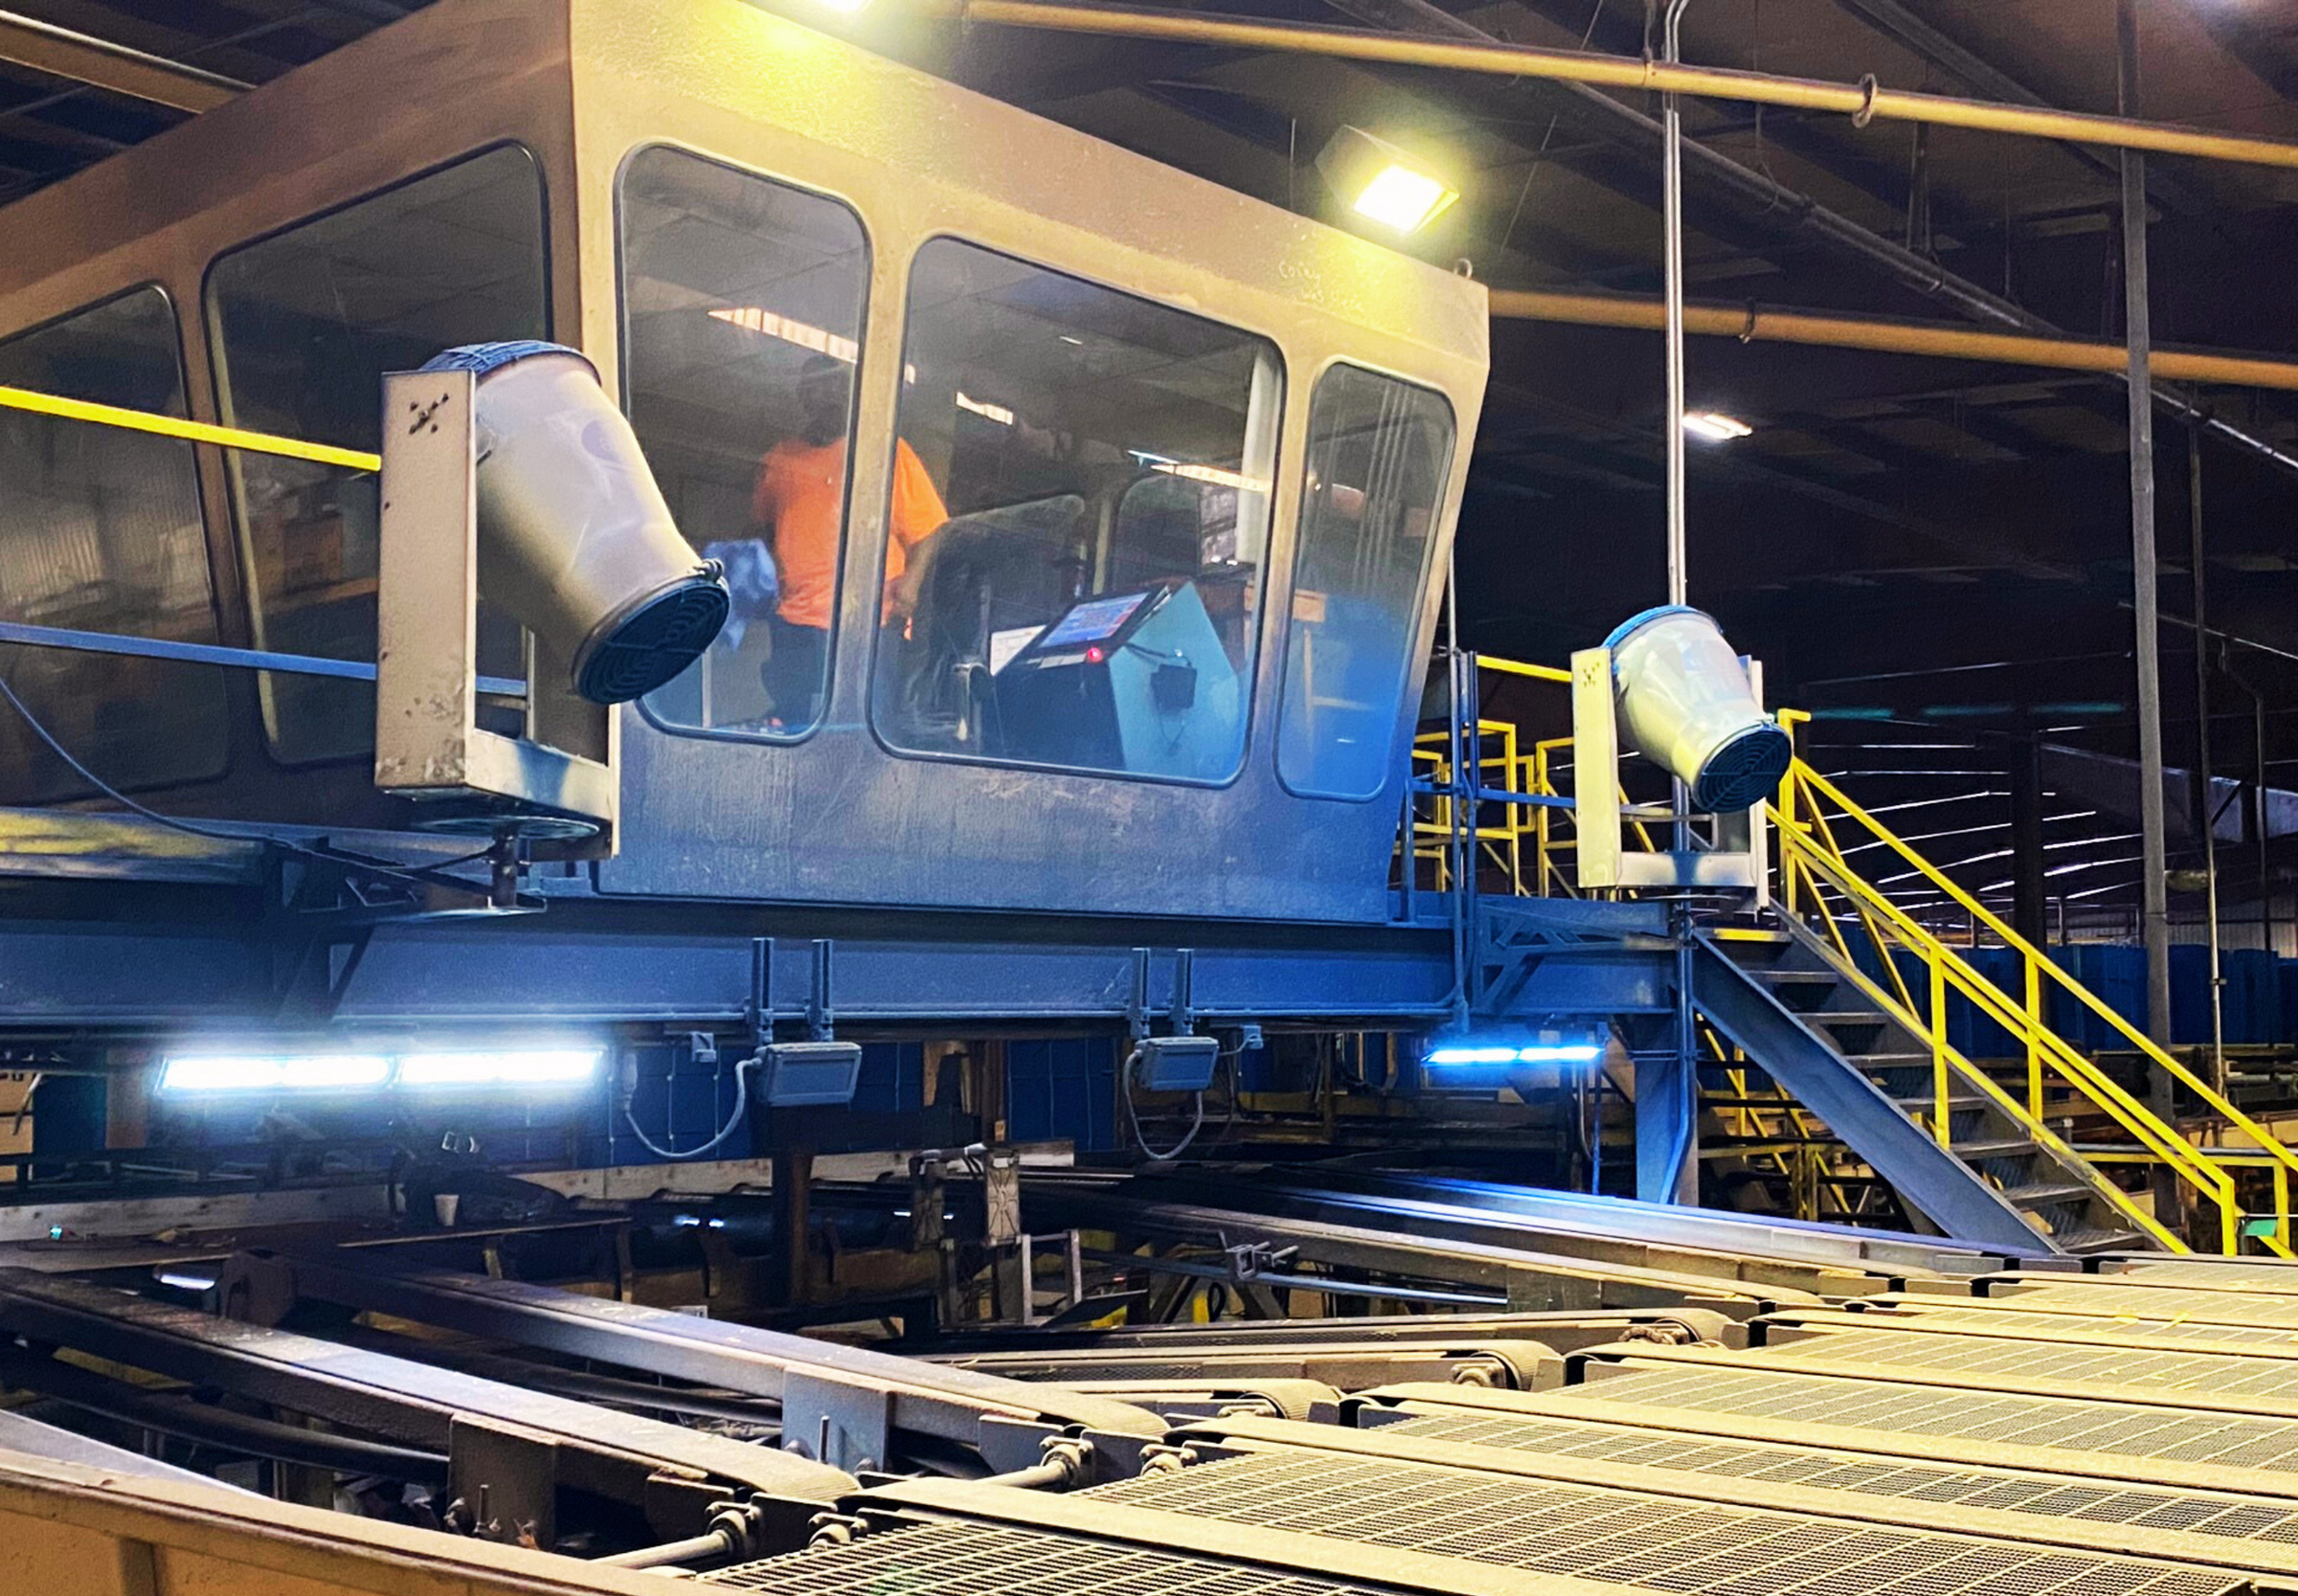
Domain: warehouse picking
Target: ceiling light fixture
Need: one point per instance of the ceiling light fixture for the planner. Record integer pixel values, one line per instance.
(1383, 181)
(1715, 426)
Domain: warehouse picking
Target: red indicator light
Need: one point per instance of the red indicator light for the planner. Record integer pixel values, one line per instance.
(1093, 655)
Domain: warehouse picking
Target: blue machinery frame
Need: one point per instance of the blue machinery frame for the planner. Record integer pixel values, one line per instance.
(122, 927)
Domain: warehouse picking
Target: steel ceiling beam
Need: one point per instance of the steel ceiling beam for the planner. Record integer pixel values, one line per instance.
(1896, 22)
(99, 63)
(1901, 264)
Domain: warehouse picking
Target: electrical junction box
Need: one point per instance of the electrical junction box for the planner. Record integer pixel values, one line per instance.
(1176, 1063)
(812, 1074)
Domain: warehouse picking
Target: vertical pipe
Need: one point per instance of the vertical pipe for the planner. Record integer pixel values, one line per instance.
(1671, 211)
(2206, 817)
(1683, 1095)
(2153, 905)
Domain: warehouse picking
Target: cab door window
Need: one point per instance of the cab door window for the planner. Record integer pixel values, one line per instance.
(1379, 454)
(742, 319)
(1076, 542)
(100, 531)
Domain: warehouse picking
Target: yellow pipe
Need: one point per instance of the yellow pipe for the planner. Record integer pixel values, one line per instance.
(194, 432)
(1862, 100)
(1748, 323)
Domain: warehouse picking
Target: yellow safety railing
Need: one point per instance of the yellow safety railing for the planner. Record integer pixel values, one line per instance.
(1497, 828)
(192, 432)
(1501, 829)
(1819, 885)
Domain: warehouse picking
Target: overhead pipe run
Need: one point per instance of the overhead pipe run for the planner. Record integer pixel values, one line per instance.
(1863, 101)
(1751, 324)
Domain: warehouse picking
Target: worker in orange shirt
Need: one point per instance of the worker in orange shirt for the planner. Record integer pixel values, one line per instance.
(797, 505)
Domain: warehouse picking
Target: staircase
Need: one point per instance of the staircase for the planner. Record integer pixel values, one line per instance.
(1842, 998)
(1994, 1175)
(1797, 997)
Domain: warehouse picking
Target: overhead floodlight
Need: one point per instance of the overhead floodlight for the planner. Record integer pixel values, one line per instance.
(1715, 426)
(1381, 181)
(261, 1072)
(541, 1067)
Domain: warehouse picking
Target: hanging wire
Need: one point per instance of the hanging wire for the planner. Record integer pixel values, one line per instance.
(404, 870)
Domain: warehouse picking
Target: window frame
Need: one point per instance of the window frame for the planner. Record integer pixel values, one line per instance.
(845, 502)
(218, 375)
(228, 760)
(1248, 680)
(1420, 591)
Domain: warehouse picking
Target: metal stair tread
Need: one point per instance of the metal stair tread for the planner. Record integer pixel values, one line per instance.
(2047, 1192)
(1995, 1147)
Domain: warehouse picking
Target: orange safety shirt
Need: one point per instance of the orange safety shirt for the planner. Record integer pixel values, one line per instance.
(797, 494)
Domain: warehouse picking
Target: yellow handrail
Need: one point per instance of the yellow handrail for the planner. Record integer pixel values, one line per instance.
(1809, 844)
(1949, 1064)
(191, 432)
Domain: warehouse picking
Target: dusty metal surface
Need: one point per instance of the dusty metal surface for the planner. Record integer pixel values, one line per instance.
(2238, 1531)
(2261, 1450)
(928, 1398)
(412, 1402)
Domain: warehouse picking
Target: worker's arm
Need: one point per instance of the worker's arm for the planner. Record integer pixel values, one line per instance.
(917, 514)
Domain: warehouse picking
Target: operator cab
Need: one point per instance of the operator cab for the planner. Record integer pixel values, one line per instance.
(1082, 519)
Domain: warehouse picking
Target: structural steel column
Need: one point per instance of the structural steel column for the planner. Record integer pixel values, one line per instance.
(2029, 904)
(2154, 906)
(2206, 798)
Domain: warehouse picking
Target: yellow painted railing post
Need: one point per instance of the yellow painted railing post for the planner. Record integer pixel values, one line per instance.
(2033, 975)
(1938, 1125)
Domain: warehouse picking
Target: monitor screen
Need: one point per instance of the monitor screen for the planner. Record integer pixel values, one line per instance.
(1095, 620)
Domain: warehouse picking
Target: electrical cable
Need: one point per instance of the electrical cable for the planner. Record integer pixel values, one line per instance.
(405, 870)
(733, 1120)
(1132, 1117)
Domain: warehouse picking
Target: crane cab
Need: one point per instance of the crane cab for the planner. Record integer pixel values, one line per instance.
(1082, 517)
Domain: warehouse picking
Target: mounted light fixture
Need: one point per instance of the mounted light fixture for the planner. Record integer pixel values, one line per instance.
(1715, 426)
(273, 1072)
(1573, 1045)
(366, 1071)
(1383, 181)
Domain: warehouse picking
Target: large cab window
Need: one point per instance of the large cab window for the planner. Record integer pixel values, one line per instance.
(1379, 452)
(742, 306)
(305, 324)
(1075, 547)
(100, 531)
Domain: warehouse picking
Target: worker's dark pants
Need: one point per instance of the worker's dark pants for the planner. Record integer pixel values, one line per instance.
(795, 672)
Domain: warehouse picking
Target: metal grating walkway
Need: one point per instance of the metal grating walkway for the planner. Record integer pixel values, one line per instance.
(1974, 1357)
(2232, 1275)
(2107, 1321)
(1942, 1484)
(2146, 1304)
(2227, 1440)
(986, 1560)
(1624, 1538)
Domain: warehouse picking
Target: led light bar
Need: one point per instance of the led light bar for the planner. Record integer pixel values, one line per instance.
(234, 1073)
(258, 1073)
(551, 1067)
(1456, 1055)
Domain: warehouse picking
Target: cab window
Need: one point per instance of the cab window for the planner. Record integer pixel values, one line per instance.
(1379, 454)
(742, 318)
(100, 531)
(1075, 549)
(305, 324)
